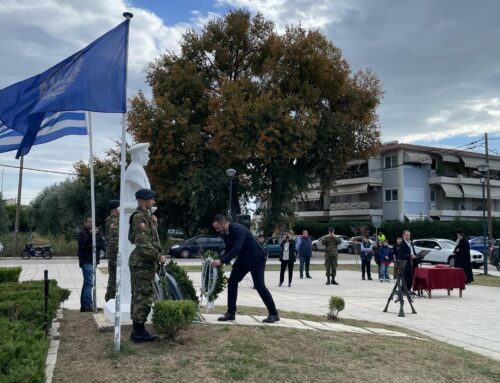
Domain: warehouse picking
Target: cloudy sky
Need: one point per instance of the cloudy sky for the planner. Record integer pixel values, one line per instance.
(438, 60)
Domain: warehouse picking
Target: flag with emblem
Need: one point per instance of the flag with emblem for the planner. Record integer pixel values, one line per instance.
(93, 79)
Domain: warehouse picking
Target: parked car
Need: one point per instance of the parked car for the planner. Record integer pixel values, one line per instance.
(196, 246)
(477, 243)
(355, 243)
(441, 251)
(1, 248)
(494, 254)
(273, 246)
(318, 246)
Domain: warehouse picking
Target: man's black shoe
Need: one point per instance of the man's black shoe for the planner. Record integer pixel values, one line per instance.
(144, 337)
(226, 317)
(308, 276)
(271, 319)
(335, 283)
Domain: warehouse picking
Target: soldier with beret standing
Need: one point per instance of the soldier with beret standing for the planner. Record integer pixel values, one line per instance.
(112, 232)
(331, 255)
(143, 263)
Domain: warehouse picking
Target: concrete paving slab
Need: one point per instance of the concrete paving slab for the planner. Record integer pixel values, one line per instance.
(382, 331)
(284, 322)
(212, 319)
(345, 328)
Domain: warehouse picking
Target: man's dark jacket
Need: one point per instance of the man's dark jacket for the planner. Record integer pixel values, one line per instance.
(85, 246)
(242, 244)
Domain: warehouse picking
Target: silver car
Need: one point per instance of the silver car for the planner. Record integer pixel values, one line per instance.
(318, 246)
(441, 251)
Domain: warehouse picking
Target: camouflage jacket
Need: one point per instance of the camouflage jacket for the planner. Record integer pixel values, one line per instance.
(143, 234)
(331, 244)
(112, 232)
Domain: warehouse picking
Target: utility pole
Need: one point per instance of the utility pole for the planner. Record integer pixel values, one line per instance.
(488, 190)
(18, 208)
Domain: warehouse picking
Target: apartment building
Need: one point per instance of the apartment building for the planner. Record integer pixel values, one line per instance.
(406, 182)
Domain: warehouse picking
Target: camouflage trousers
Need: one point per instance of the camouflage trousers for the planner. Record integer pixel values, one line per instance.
(331, 265)
(141, 281)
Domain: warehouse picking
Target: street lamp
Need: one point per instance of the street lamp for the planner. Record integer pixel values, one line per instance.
(483, 168)
(231, 173)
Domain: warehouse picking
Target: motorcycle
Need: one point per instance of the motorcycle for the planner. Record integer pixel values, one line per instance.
(44, 251)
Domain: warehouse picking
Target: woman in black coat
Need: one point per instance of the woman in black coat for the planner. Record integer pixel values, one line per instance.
(462, 256)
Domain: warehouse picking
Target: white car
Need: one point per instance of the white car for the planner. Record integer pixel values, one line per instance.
(441, 251)
(1, 248)
(318, 246)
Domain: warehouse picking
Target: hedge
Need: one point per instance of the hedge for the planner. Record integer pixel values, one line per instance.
(393, 229)
(10, 274)
(170, 317)
(23, 344)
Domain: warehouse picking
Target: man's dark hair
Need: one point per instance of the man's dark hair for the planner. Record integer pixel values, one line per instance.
(220, 219)
(87, 217)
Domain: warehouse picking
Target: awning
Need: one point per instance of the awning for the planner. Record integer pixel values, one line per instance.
(350, 189)
(452, 191)
(356, 162)
(494, 165)
(415, 217)
(419, 158)
(472, 162)
(472, 191)
(495, 193)
(312, 195)
(450, 158)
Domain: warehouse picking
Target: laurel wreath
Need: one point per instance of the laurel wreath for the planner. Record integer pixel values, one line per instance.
(222, 280)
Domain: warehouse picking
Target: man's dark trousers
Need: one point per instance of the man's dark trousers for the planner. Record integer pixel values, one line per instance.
(304, 261)
(257, 272)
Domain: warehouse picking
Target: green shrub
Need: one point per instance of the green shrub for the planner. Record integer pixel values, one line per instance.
(184, 284)
(10, 274)
(336, 305)
(170, 317)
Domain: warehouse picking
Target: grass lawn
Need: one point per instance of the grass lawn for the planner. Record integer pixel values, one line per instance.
(228, 353)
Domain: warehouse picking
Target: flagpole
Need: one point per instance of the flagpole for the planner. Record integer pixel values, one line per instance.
(18, 205)
(92, 204)
(122, 234)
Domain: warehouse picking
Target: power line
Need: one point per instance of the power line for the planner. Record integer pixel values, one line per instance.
(38, 170)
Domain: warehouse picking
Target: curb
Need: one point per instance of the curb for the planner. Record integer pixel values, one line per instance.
(54, 337)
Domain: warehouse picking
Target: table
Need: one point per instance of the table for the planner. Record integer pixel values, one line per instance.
(432, 278)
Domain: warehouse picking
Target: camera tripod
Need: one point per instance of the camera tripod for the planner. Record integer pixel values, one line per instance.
(400, 290)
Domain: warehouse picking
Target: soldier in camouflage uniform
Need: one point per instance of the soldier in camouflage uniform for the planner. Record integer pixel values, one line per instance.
(143, 263)
(112, 224)
(331, 255)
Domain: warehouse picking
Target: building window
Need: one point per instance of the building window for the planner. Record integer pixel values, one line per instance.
(433, 164)
(433, 196)
(391, 161)
(391, 195)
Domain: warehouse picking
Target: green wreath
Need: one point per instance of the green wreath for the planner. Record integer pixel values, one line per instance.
(221, 282)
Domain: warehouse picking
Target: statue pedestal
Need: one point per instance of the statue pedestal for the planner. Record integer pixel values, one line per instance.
(109, 311)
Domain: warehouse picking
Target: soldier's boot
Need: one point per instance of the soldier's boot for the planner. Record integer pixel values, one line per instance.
(139, 334)
(327, 281)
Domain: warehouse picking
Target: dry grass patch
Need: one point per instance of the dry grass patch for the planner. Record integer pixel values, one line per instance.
(229, 353)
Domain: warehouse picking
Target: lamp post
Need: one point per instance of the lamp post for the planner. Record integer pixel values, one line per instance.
(483, 168)
(230, 173)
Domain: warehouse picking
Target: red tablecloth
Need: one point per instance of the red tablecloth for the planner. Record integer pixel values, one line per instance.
(431, 278)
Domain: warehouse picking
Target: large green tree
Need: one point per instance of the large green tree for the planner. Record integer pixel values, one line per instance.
(283, 109)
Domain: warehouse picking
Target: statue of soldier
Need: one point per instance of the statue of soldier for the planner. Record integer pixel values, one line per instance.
(331, 255)
(143, 263)
(112, 233)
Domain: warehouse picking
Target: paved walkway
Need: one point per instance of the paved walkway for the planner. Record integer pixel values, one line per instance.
(470, 322)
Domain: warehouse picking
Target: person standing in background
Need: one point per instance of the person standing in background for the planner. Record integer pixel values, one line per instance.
(304, 249)
(366, 258)
(331, 255)
(287, 259)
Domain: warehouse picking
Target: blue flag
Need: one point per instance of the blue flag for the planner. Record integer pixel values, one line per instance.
(54, 126)
(92, 79)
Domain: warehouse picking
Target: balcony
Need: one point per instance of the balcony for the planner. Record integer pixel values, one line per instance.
(355, 209)
(460, 213)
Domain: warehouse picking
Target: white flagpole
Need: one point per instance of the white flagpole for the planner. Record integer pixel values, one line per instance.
(122, 234)
(92, 204)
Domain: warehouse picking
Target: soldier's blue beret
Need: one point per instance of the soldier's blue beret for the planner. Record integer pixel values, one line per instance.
(145, 194)
(113, 204)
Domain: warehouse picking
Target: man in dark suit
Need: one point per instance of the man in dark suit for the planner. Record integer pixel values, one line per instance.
(251, 258)
(406, 252)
